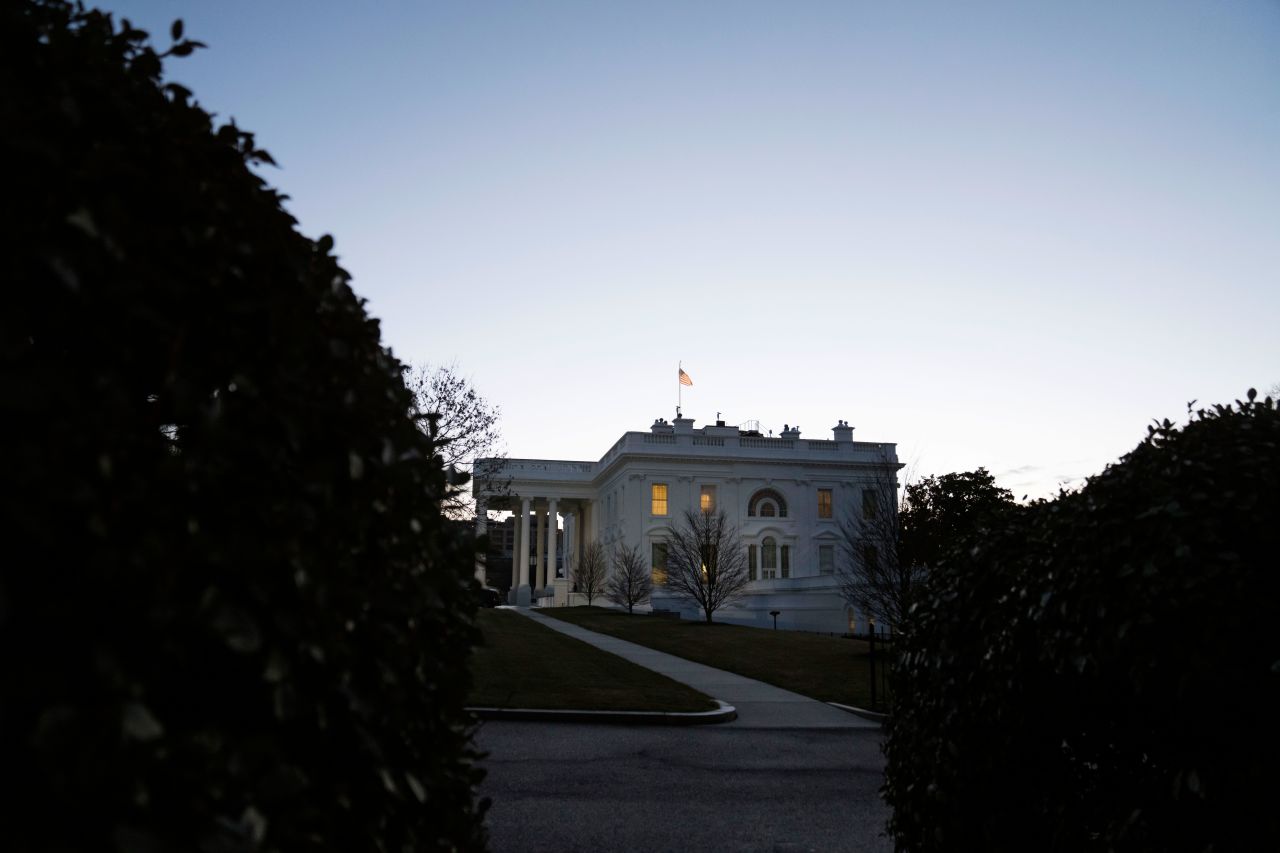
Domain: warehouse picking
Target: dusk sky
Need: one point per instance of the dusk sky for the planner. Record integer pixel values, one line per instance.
(999, 234)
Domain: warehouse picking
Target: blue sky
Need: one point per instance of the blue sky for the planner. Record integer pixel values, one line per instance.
(1000, 234)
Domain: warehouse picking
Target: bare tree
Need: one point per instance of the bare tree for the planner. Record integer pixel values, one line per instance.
(873, 577)
(630, 582)
(590, 574)
(463, 424)
(706, 561)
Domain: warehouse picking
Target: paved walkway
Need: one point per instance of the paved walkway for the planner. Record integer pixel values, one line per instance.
(760, 705)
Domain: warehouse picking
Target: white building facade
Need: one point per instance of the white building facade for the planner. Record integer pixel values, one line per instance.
(787, 496)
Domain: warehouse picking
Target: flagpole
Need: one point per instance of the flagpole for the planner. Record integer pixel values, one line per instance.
(679, 387)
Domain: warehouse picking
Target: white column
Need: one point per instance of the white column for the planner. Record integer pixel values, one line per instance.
(551, 540)
(482, 527)
(522, 591)
(540, 543)
(574, 539)
(570, 543)
(515, 550)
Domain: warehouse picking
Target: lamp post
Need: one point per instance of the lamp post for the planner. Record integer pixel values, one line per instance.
(871, 624)
(774, 614)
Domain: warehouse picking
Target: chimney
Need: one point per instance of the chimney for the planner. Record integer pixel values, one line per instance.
(842, 431)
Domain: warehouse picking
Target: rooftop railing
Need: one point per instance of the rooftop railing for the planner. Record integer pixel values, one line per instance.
(695, 445)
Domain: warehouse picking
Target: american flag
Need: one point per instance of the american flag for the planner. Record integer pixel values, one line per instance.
(684, 378)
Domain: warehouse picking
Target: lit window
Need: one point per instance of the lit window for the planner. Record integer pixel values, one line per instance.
(659, 562)
(659, 495)
(824, 503)
(868, 503)
(769, 558)
(751, 562)
(826, 559)
(767, 509)
(708, 499)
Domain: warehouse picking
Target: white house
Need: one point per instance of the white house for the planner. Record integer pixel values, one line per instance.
(786, 495)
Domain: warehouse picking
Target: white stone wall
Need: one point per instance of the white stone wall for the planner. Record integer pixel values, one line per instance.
(616, 491)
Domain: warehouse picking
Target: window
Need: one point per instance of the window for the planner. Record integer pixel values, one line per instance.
(826, 559)
(708, 503)
(869, 503)
(870, 558)
(824, 503)
(659, 572)
(767, 503)
(752, 564)
(769, 558)
(786, 561)
(658, 492)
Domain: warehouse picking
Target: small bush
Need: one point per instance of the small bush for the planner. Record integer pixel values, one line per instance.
(1103, 671)
(231, 617)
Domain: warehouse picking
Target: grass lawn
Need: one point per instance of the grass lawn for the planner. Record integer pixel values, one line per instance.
(828, 668)
(526, 665)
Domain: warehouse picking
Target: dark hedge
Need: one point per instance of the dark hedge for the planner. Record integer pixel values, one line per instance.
(1103, 671)
(231, 617)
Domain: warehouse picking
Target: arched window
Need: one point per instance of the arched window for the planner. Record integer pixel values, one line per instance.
(767, 503)
(769, 558)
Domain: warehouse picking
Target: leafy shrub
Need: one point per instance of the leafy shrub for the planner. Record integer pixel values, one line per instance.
(1103, 672)
(230, 615)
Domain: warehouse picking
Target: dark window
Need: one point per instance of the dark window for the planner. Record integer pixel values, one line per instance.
(826, 559)
(659, 562)
(769, 557)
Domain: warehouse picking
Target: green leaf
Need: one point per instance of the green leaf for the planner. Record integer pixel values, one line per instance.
(138, 723)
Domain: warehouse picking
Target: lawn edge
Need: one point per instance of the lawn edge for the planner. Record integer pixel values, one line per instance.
(723, 714)
(873, 716)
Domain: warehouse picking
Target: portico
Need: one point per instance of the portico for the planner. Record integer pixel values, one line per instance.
(545, 514)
